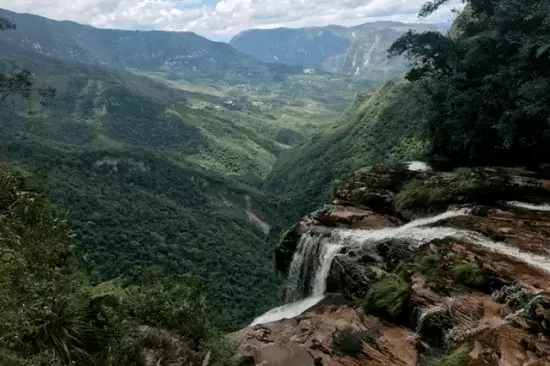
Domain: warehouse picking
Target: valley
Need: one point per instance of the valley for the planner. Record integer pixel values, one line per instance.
(158, 146)
(379, 192)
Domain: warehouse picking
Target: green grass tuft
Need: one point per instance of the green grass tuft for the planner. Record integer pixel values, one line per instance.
(388, 296)
(468, 274)
(458, 357)
(418, 194)
(468, 179)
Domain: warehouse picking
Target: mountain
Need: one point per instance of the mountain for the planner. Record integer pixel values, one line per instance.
(359, 51)
(184, 55)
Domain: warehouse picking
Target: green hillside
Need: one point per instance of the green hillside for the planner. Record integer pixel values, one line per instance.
(382, 124)
(53, 316)
(148, 179)
(184, 55)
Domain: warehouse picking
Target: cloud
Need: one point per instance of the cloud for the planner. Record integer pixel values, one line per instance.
(222, 19)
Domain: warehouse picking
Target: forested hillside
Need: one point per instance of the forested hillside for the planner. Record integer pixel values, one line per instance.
(476, 96)
(383, 124)
(149, 178)
(157, 169)
(185, 55)
(53, 316)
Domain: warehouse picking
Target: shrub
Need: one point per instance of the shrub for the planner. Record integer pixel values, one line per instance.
(388, 296)
(458, 357)
(468, 274)
(349, 342)
(431, 267)
(468, 178)
(334, 190)
(418, 194)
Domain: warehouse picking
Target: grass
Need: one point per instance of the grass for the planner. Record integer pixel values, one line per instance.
(458, 357)
(431, 267)
(418, 194)
(468, 274)
(388, 296)
(467, 179)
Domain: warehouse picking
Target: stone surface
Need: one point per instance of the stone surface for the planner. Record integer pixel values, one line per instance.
(503, 321)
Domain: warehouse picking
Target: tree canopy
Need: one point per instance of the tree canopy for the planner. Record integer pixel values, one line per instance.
(488, 81)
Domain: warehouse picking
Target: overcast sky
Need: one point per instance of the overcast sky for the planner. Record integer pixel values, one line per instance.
(221, 19)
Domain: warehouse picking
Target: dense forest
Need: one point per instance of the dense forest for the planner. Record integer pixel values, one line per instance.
(488, 82)
(52, 315)
(130, 173)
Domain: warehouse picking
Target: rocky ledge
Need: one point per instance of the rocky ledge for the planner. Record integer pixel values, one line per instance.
(436, 268)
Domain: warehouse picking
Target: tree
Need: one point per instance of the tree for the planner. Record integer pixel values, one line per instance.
(489, 81)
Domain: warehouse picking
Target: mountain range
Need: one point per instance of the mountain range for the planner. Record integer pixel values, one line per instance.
(359, 51)
(183, 54)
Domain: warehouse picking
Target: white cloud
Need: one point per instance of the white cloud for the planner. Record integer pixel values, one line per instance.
(223, 18)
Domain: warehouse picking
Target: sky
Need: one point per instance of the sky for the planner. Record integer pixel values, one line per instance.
(222, 19)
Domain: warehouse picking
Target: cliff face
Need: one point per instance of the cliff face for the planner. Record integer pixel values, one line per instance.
(449, 268)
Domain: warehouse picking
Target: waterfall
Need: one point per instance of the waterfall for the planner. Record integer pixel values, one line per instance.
(330, 250)
(307, 276)
(302, 267)
(313, 258)
(418, 166)
(534, 260)
(310, 267)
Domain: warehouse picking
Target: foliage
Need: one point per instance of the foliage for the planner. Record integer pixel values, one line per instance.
(51, 315)
(431, 266)
(468, 179)
(148, 180)
(459, 357)
(488, 82)
(380, 125)
(349, 342)
(388, 296)
(468, 274)
(419, 194)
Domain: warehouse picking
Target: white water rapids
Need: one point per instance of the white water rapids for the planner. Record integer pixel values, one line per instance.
(313, 258)
(530, 206)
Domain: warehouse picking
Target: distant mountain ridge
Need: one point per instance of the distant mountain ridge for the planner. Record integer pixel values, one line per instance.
(354, 51)
(185, 54)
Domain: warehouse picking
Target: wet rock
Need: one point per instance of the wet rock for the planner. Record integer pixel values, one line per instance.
(504, 321)
(394, 251)
(352, 274)
(286, 248)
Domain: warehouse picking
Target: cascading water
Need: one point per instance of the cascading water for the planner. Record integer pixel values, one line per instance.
(307, 276)
(312, 261)
(302, 267)
(313, 258)
(530, 206)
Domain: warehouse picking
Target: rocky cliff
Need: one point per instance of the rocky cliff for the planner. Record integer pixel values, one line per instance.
(415, 267)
